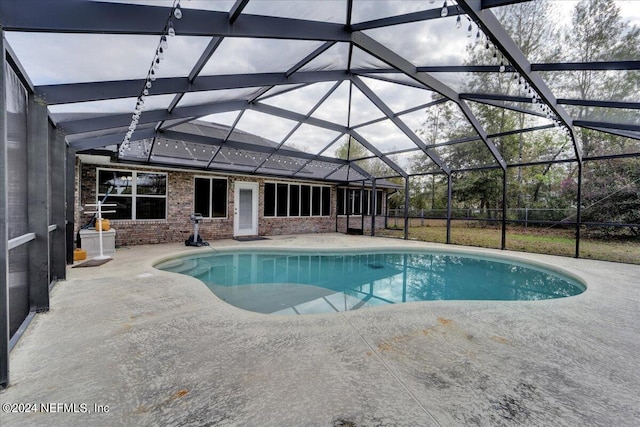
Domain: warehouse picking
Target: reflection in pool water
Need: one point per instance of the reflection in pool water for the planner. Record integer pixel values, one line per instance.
(287, 283)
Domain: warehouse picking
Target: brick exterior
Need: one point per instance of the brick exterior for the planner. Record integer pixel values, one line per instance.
(355, 221)
(177, 227)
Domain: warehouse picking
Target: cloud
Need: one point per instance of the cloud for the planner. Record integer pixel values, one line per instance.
(272, 128)
(245, 55)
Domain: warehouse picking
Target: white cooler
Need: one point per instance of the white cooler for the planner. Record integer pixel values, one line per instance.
(89, 239)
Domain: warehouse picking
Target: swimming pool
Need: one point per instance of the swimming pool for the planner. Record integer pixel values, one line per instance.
(319, 282)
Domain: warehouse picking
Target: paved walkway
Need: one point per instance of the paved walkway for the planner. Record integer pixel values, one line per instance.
(125, 344)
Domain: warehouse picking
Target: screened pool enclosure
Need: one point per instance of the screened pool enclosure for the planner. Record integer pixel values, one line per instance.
(493, 113)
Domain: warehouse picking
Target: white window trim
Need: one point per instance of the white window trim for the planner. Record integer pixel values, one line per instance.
(346, 201)
(134, 192)
(210, 178)
(299, 184)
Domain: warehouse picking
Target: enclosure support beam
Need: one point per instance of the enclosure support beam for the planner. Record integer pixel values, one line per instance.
(4, 233)
(362, 207)
(503, 244)
(449, 185)
(373, 202)
(406, 208)
(304, 165)
(511, 51)
(102, 90)
(239, 145)
(386, 210)
(399, 123)
(291, 115)
(617, 132)
(299, 124)
(236, 10)
(149, 118)
(495, 3)
(202, 61)
(423, 15)
(70, 171)
(386, 55)
(348, 205)
(73, 16)
(58, 203)
(38, 196)
(362, 140)
(579, 210)
(338, 195)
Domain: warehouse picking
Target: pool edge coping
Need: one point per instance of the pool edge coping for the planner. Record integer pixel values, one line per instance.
(481, 253)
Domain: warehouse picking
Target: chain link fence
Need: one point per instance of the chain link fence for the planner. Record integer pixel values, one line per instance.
(523, 216)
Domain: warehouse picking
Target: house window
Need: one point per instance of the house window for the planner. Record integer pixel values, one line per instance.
(305, 200)
(357, 201)
(282, 199)
(315, 200)
(137, 195)
(269, 199)
(293, 200)
(365, 202)
(210, 197)
(326, 201)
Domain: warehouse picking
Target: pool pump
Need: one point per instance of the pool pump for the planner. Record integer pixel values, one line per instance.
(195, 239)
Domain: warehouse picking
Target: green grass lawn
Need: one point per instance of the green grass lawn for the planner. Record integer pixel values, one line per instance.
(536, 240)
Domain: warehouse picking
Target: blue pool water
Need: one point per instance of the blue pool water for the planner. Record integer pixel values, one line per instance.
(304, 283)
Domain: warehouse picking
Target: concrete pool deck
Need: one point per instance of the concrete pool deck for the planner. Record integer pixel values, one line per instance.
(158, 348)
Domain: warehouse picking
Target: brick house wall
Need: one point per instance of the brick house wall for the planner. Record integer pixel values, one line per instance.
(355, 221)
(177, 227)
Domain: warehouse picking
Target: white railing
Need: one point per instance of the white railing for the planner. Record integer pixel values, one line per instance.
(20, 240)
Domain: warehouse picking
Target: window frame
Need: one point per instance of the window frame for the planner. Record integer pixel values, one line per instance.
(211, 179)
(134, 196)
(300, 209)
(349, 203)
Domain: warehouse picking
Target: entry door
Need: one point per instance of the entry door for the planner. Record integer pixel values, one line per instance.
(245, 218)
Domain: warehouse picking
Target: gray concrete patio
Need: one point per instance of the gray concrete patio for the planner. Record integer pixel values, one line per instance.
(158, 348)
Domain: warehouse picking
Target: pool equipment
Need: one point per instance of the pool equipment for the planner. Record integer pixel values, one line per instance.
(195, 239)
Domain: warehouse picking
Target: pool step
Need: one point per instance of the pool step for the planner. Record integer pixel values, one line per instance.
(191, 267)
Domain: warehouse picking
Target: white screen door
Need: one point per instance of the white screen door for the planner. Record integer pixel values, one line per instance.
(245, 220)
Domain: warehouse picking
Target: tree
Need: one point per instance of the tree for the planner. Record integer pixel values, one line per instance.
(611, 188)
(610, 193)
(533, 29)
(596, 33)
(351, 149)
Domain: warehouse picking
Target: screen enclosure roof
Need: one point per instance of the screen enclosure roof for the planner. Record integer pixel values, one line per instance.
(333, 90)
